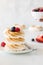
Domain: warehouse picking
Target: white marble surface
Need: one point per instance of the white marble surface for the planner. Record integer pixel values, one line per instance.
(18, 11)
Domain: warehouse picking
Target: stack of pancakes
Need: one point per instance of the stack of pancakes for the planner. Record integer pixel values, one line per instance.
(14, 37)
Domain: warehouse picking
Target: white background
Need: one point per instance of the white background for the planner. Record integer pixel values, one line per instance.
(18, 11)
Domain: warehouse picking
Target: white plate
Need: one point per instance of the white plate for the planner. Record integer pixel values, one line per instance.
(17, 52)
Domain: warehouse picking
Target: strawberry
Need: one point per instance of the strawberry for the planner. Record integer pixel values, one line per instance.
(17, 29)
(42, 36)
(3, 44)
(39, 40)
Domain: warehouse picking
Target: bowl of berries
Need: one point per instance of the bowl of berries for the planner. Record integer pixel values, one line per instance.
(37, 13)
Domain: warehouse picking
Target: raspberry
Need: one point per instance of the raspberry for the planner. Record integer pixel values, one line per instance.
(17, 29)
(41, 10)
(3, 44)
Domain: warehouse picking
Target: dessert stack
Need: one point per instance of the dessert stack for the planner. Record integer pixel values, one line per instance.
(14, 38)
(14, 34)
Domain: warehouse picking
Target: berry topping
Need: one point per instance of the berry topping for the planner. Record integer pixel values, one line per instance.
(39, 39)
(41, 10)
(42, 36)
(38, 9)
(13, 29)
(17, 29)
(33, 39)
(3, 44)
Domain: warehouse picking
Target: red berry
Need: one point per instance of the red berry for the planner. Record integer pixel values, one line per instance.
(42, 36)
(39, 40)
(3, 44)
(17, 29)
(41, 10)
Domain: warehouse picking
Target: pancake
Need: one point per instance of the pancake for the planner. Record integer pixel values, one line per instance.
(13, 34)
(15, 39)
(15, 47)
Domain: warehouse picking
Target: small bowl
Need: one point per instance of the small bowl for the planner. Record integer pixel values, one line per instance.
(37, 15)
